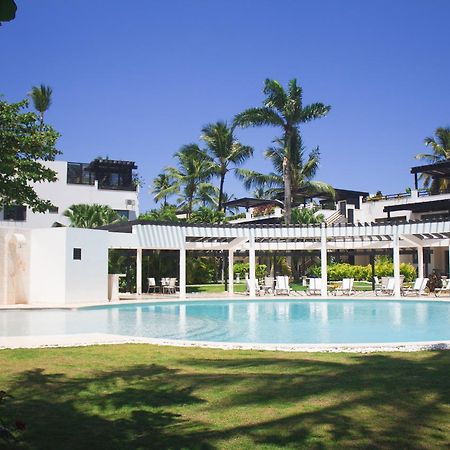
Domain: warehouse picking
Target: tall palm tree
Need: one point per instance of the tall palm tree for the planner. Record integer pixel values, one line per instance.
(224, 150)
(194, 167)
(440, 145)
(92, 216)
(303, 168)
(42, 99)
(163, 187)
(285, 110)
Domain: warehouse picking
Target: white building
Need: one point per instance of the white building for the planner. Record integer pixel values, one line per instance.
(103, 181)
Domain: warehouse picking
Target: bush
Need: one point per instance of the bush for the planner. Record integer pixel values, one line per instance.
(383, 268)
(200, 270)
(243, 268)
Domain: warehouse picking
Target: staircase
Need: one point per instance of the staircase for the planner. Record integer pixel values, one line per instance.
(333, 217)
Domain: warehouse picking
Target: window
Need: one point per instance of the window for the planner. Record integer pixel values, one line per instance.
(77, 173)
(77, 253)
(53, 210)
(123, 213)
(16, 213)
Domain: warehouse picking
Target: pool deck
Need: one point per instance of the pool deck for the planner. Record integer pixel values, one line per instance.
(79, 340)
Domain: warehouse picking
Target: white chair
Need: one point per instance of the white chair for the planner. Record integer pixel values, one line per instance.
(445, 288)
(315, 286)
(269, 283)
(171, 286)
(417, 289)
(256, 286)
(282, 285)
(346, 287)
(151, 284)
(388, 289)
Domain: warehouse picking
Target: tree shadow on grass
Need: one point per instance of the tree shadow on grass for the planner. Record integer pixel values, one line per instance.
(353, 401)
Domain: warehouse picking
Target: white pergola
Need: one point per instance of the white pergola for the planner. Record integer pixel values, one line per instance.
(231, 238)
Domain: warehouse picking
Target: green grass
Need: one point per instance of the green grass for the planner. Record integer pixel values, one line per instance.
(144, 397)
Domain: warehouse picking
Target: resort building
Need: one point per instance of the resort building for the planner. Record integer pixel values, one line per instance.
(102, 181)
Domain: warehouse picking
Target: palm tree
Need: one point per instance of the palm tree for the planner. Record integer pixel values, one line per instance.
(302, 171)
(441, 152)
(224, 150)
(42, 99)
(163, 187)
(194, 167)
(92, 216)
(284, 109)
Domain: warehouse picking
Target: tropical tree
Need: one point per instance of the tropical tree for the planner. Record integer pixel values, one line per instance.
(42, 99)
(166, 213)
(207, 215)
(207, 195)
(440, 146)
(92, 216)
(194, 167)
(306, 216)
(303, 168)
(284, 109)
(225, 151)
(163, 187)
(24, 144)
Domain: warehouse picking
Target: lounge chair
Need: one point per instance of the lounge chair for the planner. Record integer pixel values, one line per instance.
(388, 289)
(171, 287)
(346, 287)
(315, 286)
(282, 286)
(257, 287)
(269, 283)
(417, 289)
(445, 288)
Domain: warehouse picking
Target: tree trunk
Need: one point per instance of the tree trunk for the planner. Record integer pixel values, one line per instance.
(222, 180)
(287, 191)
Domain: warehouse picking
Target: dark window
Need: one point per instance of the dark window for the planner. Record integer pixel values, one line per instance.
(351, 215)
(123, 213)
(77, 253)
(53, 210)
(77, 173)
(18, 213)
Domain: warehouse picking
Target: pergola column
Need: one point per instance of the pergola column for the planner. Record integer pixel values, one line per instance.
(323, 261)
(182, 283)
(449, 258)
(420, 262)
(396, 258)
(139, 271)
(252, 265)
(230, 272)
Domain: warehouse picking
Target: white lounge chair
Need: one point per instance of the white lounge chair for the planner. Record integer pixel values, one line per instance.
(346, 287)
(257, 287)
(445, 288)
(388, 289)
(417, 289)
(315, 286)
(269, 283)
(282, 286)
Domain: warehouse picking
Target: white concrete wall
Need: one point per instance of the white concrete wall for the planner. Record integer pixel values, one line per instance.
(64, 195)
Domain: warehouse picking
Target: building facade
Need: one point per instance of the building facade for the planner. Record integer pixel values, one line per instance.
(103, 181)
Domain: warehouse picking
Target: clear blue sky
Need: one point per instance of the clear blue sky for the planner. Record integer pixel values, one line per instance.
(137, 79)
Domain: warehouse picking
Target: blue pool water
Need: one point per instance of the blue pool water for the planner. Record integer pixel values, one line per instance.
(280, 321)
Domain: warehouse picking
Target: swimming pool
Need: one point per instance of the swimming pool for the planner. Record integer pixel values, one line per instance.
(247, 321)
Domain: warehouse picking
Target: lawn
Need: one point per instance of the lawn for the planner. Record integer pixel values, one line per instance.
(144, 397)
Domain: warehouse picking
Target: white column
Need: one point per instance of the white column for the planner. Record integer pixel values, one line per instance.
(139, 271)
(252, 264)
(323, 261)
(420, 262)
(230, 272)
(182, 282)
(396, 257)
(449, 258)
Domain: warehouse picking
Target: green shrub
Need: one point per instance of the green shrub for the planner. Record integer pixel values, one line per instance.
(200, 270)
(243, 268)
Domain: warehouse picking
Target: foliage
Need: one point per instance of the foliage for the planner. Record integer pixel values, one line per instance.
(284, 109)
(206, 215)
(8, 428)
(440, 146)
(224, 151)
(264, 210)
(383, 268)
(200, 270)
(92, 216)
(194, 167)
(23, 143)
(244, 268)
(306, 216)
(42, 99)
(166, 213)
(8, 10)
(163, 187)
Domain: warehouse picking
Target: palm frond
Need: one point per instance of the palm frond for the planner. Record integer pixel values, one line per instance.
(255, 117)
(314, 111)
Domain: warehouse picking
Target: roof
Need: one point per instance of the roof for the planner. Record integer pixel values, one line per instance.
(436, 170)
(111, 164)
(247, 202)
(431, 206)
